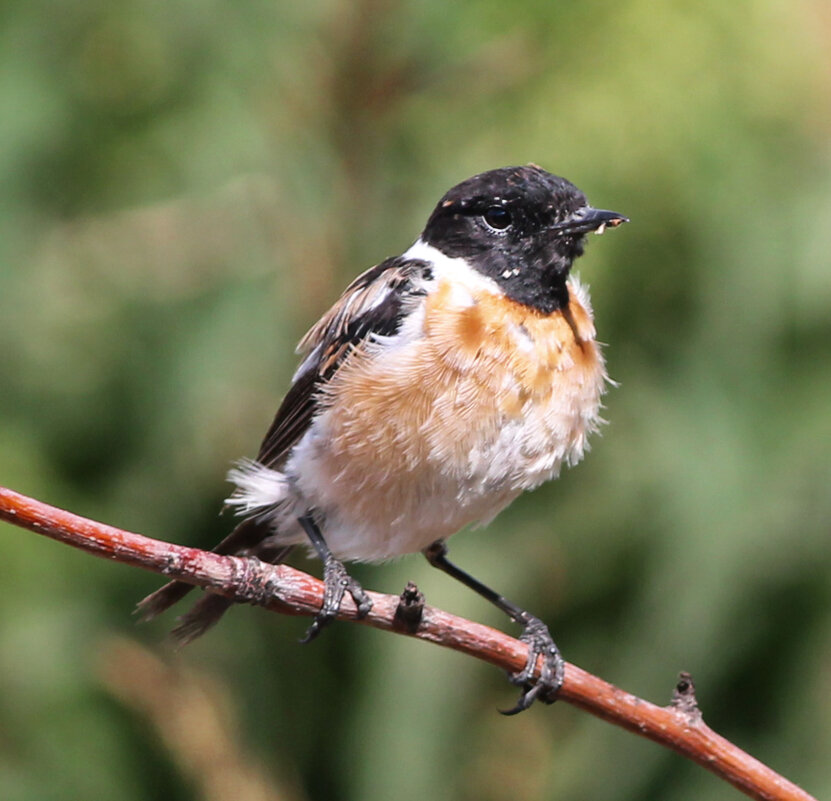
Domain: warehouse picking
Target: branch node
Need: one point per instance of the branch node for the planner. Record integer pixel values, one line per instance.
(253, 582)
(172, 564)
(684, 700)
(410, 609)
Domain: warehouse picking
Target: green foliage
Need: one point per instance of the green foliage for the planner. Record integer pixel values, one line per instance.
(185, 186)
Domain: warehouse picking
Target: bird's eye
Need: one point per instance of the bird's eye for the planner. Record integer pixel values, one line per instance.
(497, 218)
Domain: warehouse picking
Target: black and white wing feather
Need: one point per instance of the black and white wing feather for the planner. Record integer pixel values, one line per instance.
(373, 305)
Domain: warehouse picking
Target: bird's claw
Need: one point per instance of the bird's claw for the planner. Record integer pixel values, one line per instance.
(547, 685)
(337, 582)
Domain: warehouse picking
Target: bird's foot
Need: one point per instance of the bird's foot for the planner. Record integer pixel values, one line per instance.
(546, 687)
(337, 583)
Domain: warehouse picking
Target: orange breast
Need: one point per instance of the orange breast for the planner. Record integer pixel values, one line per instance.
(520, 356)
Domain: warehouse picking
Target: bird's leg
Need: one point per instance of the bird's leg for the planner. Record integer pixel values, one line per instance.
(336, 580)
(534, 632)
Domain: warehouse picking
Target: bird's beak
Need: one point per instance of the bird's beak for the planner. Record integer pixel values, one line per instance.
(587, 219)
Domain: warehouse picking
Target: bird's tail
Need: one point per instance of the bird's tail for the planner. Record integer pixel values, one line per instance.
(246, 539)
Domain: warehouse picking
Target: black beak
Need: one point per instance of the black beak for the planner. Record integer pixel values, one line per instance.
(587, 219)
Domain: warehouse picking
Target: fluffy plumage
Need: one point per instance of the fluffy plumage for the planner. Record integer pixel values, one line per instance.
(437, 424)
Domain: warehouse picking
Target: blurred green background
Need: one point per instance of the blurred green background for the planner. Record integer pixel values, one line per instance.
(186, 186)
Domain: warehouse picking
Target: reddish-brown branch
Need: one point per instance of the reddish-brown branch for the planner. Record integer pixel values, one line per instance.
(289, 591)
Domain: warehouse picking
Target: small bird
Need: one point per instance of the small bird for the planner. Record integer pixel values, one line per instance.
(441, 384)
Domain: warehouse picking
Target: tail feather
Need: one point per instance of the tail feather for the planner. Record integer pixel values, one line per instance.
(162, 599)
(204, 614)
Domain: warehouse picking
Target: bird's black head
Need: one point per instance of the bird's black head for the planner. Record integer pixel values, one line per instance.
(521, 226)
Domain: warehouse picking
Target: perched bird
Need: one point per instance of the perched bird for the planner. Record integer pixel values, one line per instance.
(441, 384)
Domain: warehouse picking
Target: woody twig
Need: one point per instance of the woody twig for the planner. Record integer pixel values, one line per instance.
(678, 726)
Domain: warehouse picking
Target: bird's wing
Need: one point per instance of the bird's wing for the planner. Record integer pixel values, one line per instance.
(372, 305)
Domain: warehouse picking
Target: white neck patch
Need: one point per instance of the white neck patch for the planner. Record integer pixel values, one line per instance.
(457, 271)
